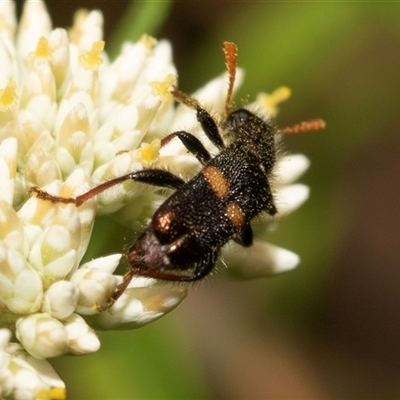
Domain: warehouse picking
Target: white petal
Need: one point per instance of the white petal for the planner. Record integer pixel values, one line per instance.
(35, 22)
(28, 292)
(21, 288)
(8, 67)
(5, 336)
(33, 378)
(8, 17)
(260, 260)
(95, 287)
(119, 80)
(8, 165)
(107, 264)
(6, 381)
(213, 94)
(88, 30)
(59, 45)
(290, 198)
(61, 267)
(140, 306)
(141, 282)
(11, 229)
(290, 168)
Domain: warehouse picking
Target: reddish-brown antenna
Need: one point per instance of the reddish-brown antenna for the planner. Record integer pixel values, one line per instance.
(230, 51)
(306, 126)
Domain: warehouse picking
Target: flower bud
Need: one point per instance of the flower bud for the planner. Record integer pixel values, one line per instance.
(21, 288)
(95, 288)
(55, 251)
(143, 301)
(81, 338)
(32, 378)
(12, 230)
(60, 299)
(6, 383)
(42, 336)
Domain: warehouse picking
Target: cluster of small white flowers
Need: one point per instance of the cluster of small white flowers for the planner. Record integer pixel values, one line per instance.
(23, 376)
(70, 119)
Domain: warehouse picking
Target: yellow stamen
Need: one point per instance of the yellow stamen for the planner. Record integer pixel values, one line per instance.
(42, 48)
(149, 151)
(148, 41)
(56, 393)
(271, 101)
(162, 88)
(93, 60)
(8, 95)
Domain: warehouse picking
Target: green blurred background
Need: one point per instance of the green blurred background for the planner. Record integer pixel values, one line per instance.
(331, 328)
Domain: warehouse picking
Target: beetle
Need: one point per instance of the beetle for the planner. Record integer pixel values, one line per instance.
(184, 237)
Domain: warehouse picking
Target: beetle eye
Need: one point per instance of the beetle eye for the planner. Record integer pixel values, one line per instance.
(237, 118)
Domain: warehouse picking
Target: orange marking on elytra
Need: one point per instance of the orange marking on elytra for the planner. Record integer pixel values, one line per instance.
(217, 181)
(236, 215)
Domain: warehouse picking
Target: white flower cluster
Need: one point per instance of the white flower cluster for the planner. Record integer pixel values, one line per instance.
(23, 376)
(70, 119)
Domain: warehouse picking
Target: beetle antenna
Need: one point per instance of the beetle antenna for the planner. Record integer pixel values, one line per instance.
(230, 51)
(306, 126)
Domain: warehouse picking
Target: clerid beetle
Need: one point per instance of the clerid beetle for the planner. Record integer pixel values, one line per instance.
(185, 235)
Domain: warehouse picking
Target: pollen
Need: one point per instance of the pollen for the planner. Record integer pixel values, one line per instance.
(162, 88)
(149, 151)
(42, 48)
(8, 95)
(93, 59)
